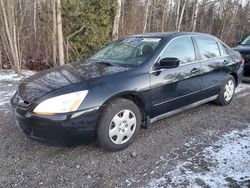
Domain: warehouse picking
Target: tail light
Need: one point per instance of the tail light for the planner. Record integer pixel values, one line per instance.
(242, 62)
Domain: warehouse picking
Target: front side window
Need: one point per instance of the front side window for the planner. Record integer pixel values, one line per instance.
(181, 48)
(208, 47)
(131, 51)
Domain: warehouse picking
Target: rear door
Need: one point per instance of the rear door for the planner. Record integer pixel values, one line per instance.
(176, 87)
(214, 63)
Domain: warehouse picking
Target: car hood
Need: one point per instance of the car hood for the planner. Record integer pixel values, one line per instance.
(44, 82)
(242, 48)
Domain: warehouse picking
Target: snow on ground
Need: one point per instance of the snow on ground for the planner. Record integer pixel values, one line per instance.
(242, 87)
(228, 162)
(8, 75)
(8, 83)
(5, 97)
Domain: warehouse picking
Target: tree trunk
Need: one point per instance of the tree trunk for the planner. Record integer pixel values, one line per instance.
(115, 34)
(177, 14)
(171, 9)
(60, 33)
(196, 6)
(233, 22)
(54, 32)
(1, 63)
(34, 18)
(122, 16)
(146, 15)
(10, 30)
(181, 15)
(15, 39)
(164, 16)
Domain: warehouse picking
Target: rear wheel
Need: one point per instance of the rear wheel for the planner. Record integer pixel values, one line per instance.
(119, 125)
(226, 92)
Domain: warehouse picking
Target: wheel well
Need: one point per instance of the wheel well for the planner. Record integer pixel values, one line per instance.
(130, 97)
(138, 102)
(235, 77)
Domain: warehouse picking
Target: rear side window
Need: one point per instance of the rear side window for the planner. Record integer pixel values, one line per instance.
(223, 51)
(208, 47)
(181, 48)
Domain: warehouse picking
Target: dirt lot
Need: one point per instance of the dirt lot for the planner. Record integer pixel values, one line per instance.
(208, 146)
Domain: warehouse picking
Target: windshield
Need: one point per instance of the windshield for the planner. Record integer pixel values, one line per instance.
(129, 51)
(246, 41)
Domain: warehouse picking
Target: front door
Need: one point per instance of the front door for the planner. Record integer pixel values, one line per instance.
(177, 87)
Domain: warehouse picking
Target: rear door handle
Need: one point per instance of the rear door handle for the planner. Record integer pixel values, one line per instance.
(195, 71)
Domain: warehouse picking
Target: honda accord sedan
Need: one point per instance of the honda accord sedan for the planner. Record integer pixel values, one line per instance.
(129, 84)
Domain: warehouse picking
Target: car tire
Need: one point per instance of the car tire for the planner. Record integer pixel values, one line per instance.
(227, 90)
(119, 124)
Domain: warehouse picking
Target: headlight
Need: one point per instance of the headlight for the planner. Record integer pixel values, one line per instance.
(61, 104)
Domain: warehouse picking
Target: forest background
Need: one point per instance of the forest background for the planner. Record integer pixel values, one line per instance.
(39, 34)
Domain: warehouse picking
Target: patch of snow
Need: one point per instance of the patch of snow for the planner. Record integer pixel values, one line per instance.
(5, 97)
(10, 79)
(242, 87)
(7, 75)
(228, 160)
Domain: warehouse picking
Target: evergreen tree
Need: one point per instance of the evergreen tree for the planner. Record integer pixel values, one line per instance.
(88, 23)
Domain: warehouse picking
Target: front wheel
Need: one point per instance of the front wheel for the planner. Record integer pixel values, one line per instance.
(226, 92)
(119, 125)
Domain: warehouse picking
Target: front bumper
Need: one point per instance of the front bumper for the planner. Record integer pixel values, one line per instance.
(63, 129)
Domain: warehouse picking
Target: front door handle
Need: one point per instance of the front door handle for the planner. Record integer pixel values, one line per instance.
(195, 71)
(225, 62)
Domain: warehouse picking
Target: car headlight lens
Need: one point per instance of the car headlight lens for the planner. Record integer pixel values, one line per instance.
(61, 104)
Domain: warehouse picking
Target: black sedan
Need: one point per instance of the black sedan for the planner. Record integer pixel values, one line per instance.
(244, 49)
(131, 83)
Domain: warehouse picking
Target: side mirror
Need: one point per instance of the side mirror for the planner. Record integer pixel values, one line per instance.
(168, 63)
(239, 43)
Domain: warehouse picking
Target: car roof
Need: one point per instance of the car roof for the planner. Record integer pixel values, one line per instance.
(170, 34)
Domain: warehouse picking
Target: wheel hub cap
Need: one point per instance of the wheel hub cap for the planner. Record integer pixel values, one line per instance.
(229, 90)
(122, 127)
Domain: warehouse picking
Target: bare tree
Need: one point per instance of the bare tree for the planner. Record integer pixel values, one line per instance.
(11, 33)
(165, 10)
(60, 33)
(28, 26)
(181, 15)
(146, 15)
(1, 62)
(233, 21)
(34, 17)
(195, 15)
(177, 14)
(115, 33)
(54, 34)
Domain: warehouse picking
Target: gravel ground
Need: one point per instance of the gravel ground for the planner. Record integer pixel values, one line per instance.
(208, 146)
